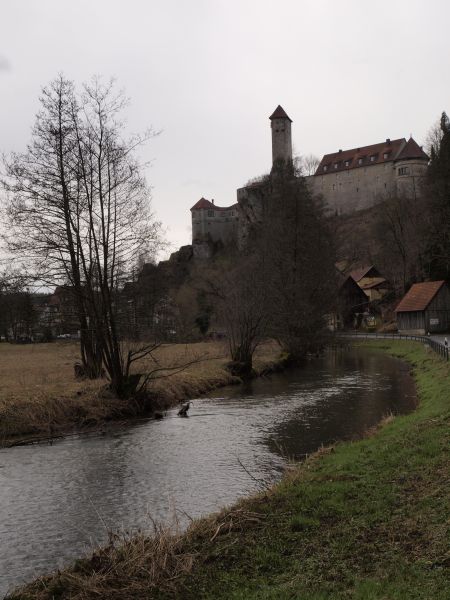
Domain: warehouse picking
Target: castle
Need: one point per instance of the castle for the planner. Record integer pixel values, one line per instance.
(347, 180)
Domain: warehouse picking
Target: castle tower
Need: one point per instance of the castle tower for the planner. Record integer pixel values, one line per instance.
(281, 136)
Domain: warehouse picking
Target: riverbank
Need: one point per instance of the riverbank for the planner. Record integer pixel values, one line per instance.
(366, 519)
(41, 398)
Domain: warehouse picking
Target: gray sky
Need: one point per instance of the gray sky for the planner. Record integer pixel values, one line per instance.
(210, 72)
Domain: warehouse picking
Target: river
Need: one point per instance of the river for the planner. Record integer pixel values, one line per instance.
(57, 502)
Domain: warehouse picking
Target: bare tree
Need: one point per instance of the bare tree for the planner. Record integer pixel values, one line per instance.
(243, 310)
(307, 164)
(400, 228)
(79, 213)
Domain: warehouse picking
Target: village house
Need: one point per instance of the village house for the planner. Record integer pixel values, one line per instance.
(352, 303)
(424, 309)
(370, 280)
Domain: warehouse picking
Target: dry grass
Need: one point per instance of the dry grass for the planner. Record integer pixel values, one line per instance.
(40, 396)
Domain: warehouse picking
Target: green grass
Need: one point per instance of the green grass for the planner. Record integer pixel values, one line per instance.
(365, 520)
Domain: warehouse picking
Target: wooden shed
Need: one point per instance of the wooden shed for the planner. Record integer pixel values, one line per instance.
(425, 308)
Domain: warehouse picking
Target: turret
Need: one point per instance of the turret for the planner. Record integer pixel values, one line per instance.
(281, 137)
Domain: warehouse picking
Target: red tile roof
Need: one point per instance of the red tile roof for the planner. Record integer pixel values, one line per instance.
(203, 203)
(279, 113)
(412, 150)
(376, 154)
(358, 274)
(206, 204)
(419, 296)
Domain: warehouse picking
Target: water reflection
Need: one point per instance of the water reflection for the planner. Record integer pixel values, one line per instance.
(56, 501)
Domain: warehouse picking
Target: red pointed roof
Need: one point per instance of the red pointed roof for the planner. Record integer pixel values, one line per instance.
(279, 113)
(419, 296)
(203, 203)
(358, 274)
(412, 150)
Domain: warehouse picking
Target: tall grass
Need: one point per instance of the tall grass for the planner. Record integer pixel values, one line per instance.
(40, 396)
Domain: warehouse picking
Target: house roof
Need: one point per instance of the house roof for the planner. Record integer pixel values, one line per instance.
(206, 204)
(366, 156)
(377, 282)
(279, 113)
(412, 150)
(419, 296)
(358, 274)
(203, 203)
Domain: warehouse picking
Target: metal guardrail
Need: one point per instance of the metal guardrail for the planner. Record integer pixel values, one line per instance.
(436, 346)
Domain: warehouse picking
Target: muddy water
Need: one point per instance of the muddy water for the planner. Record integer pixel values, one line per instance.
(57, 501)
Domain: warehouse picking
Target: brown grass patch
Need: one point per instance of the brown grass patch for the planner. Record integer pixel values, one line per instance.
(40, 396)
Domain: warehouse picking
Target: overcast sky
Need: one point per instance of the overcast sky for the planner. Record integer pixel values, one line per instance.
(208, 73)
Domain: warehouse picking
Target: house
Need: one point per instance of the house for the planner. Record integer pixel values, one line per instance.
(351, 304)
(370, 280)
(425, 308)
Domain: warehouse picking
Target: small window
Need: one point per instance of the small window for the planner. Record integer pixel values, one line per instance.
(403, 171)
(360, 161)
(210, 213)
(325, 168)
(334, 187)
(385, 155)
(347, 163)
(372, 158)
(336, 165)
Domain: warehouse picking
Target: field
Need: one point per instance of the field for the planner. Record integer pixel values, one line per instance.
(39, 394)
(364, 520)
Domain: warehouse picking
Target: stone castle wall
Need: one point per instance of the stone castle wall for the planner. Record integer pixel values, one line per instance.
(361, 188)
(219, 224)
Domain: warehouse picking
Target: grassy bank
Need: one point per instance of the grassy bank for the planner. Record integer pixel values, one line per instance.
(363, 520)
(39, 395)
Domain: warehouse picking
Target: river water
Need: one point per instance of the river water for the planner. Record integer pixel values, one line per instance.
(57, 502)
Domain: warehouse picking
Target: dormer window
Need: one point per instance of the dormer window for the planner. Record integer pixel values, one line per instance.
(360, 161)
(325, 168)
(347, 163)
(385, 155)
(372, 158)
(336, 165)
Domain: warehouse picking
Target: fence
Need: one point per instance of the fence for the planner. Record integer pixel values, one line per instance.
(436, 346)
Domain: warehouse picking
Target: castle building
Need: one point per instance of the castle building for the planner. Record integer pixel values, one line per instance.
(212, 224)
(347, 180)
(356, 179)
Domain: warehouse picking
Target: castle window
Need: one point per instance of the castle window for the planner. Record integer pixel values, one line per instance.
(403, 171)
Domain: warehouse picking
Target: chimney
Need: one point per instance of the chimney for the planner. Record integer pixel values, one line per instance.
(212, 200)
(388, 141)
(340, 149)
